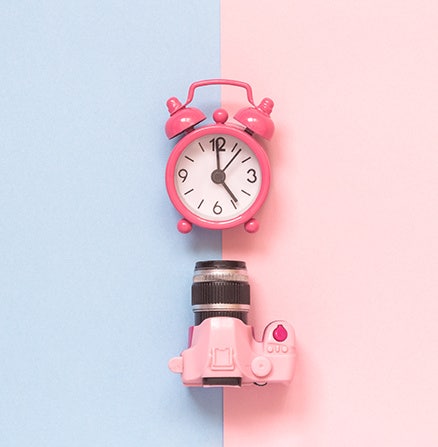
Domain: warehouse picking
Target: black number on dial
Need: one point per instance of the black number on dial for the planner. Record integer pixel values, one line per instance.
(252, 179)
(217, 144)
(183, 174)
(217, 209)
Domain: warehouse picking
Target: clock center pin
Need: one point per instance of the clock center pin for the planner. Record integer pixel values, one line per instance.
(218, 176)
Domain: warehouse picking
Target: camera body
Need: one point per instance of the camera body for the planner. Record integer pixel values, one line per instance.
(222, 348)
(223, 352)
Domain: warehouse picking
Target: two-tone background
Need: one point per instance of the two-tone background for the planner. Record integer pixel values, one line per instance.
(95, 279)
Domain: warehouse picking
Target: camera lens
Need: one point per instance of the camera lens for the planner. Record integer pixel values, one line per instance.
(220, 289)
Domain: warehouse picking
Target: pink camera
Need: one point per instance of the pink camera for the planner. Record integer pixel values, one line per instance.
(222, 350)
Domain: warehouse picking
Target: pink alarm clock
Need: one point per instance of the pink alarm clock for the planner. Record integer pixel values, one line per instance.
(218, 175)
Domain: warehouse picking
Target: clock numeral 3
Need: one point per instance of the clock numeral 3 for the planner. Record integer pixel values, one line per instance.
(217, 209)
(252, 179)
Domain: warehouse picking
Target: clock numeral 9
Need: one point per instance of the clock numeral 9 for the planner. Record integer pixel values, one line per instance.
(217, 209)
(252, 179)
(183, 174)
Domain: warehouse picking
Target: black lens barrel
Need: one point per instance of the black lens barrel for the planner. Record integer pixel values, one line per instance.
(220, 289)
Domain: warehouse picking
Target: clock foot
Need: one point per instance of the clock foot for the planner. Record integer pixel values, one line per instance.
(184, 226)
(252, 226)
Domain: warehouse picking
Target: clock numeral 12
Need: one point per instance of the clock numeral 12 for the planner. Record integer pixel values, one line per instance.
(217, 144)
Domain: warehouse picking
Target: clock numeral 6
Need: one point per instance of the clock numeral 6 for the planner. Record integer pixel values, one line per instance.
(217, 209)
(252, 179)
(183, 174)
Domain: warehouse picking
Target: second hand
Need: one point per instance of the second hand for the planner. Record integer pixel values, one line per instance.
(234, 157)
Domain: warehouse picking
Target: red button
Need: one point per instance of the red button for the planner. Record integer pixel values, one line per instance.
(280, 333)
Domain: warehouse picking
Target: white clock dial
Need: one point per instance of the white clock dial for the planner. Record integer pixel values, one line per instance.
(217, 177)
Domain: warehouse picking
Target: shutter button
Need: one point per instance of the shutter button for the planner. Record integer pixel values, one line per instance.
(280, 333)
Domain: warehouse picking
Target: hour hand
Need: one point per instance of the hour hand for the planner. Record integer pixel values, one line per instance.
(233, 197)
(218, 176)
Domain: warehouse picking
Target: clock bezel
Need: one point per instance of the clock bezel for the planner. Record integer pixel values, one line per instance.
(221, 129)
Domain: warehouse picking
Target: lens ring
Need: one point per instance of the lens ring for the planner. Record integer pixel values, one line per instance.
(206, 271)
(220, 289)
(220, 264)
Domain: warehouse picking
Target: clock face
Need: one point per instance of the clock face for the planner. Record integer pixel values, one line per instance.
(217, 176)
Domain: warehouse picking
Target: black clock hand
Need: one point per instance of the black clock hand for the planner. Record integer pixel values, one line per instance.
(229, 192)
(218, 176)
(218, 163)
(234, 157)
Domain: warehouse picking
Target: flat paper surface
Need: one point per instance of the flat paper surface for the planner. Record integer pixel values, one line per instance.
(94, 277)
(347, 250)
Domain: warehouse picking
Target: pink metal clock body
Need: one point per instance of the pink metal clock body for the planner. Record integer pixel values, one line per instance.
(243, 218)
(236, 177)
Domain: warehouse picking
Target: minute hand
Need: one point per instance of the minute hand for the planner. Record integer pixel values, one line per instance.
(232, 159)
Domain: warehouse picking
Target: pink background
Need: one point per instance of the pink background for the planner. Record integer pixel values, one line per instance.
(347, 250)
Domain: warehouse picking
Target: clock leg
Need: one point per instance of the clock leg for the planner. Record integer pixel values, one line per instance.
(184, 226)
(252, 225)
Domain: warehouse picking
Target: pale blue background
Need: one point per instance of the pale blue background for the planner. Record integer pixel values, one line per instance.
(94, 278)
